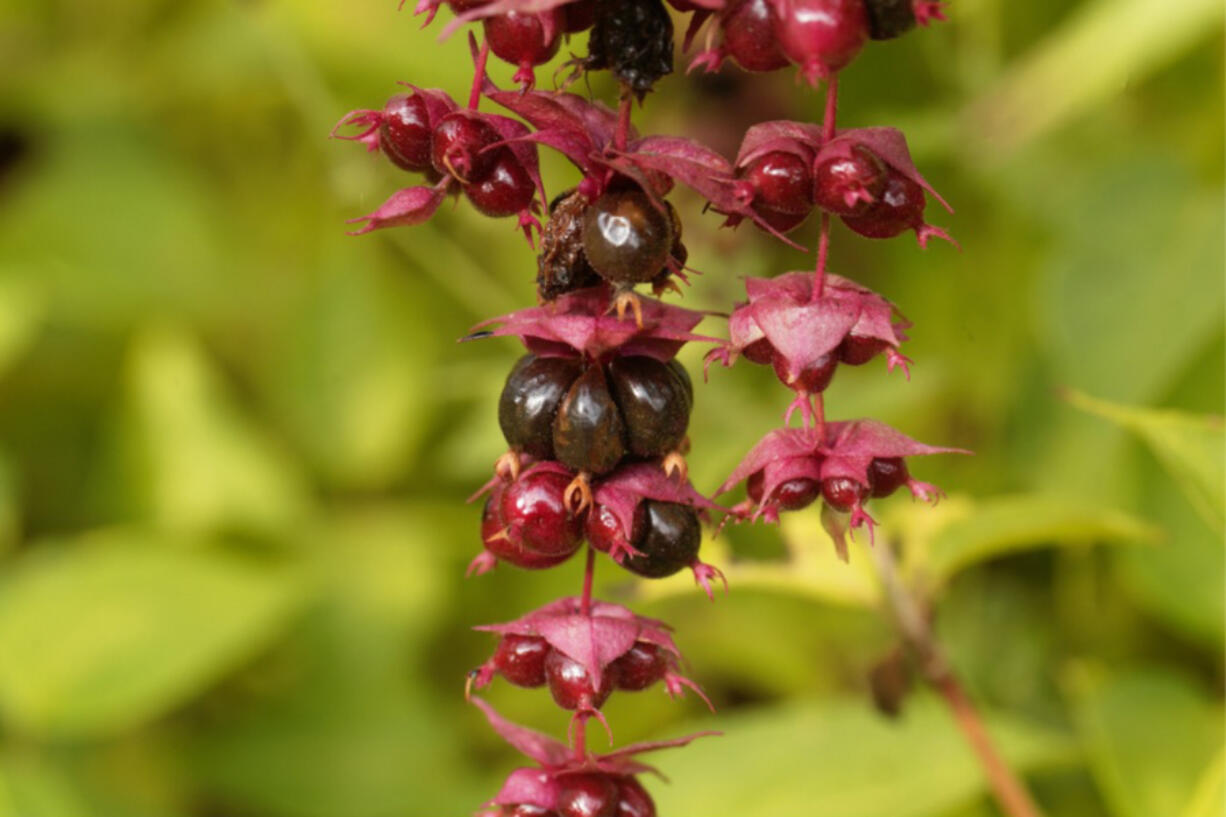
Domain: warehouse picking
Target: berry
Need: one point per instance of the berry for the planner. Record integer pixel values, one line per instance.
(571, 685)
(821, 36)
(587, 794)
(633, 800)
(506, 190)
(589, 434)
(457, 144)
(638, 668)
(655, 406)
(856, 350)
(404, 134)
(886, 475)
(626, 237)
(791, 495)
(603, 529)
(521, 659)
(533, 508)
(781, 222)
(813, 378)
(633, 39)
(520, 40)
(530, 399)
(749, 37)
(578, 16)
(899, 208)
(849, 185)
(561, 265)
(684, 377)
(782, 182)
(842, 493)
(760, 351)
(668, 535)
(888, 19)
(525, 810)
(497, 542)
(461, 6)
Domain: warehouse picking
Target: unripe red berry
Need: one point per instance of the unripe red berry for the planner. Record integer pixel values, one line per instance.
(633, 800)
(791, 495)
(899, 208)
(813, 378)
(638, 668)
(821, 36)
(533, 508)
(782, 182)
(886, 475)
(525, 810)
(494, 537)
(457, 144)
(626, 237)
(603, 529)
(588, 794)
(842, 493)
(849, 185)
(571, 685)
(519, 38)
(521, 659)
(856, 350)
(781, 222)
(505, 190)
(404, 134)
(749, 36)
(760, 351)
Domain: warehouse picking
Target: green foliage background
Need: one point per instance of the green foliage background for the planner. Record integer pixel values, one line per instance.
(235, 443)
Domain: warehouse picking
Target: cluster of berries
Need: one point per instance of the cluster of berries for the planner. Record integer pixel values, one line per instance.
(596, 412)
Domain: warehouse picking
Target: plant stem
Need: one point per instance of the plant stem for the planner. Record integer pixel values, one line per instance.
(474, 96)
(832, 105)
(585, 601)
(823, 250)
(1010, 792)
(625, 102)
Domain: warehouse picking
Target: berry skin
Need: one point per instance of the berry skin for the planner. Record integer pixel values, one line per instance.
(520, 40)
(626, 238)
(638, 668)
(633, 800)
(749, 37)
(888, 19)
(886, 475)
(578, 16)
(497, 542)
(561, 265)
(668, 535)
(842, 493)
(602, 529)
(530, 399)
(571, 685)
(633, 39)
(821, 36)
(781, 222)
(655, 406)
(533, 508)
(849, 185)
(525, 810)
(814, 378)
(684, 377)
(791, 495)
(457, 144)
(899, 208)
(521, 659)
(589, 434)
(782, 182)
(505, 190)
(856, 350)
(760, 351)
(587, 794)
(404, 134)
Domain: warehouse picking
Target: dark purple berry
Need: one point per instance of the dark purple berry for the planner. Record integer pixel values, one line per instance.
(821, 36)
(849, 185)
(814, 378)
(684, 377)
(530, 399)
(888, 19)
(634, 40)
(654, 404)
(899, 208)
(571, 684)
(782, 182)
(521, 659)
(633, 800)
(457, 144)
(588, 434)
(638, 668)
(532, 506)
(749, 36)
(781, 222)
(496, 540)
(668, 535)
(578, 16)
(505, 190)
(842, 493)
(760, 351)
(520, 40)
(886, 475)
(856, 350)
(404, 134)
(626, 237)
(561, 265)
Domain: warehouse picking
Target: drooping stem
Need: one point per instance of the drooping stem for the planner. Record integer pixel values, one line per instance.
(823, 250)
(625, 103)
(1010, 791)
(589, 572)
(832, 106)
(819, 416)
(483, 56)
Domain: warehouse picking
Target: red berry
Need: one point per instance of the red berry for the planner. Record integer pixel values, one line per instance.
(626, 237)
(533, 508)
(461, 6)
(886, 475)
(782, 182)
(603, 529)
(525, 810)
(760, 351)
(899, 208)
(587, 794)
(668, 535)
(790, 495)
(842, 493)
(813, 378)
(856, 350)
(505, 190)
(457, 144)
(638, 668)
(404, 134)
(497, 542)
(849, 185)
(749, 37)
(520, 40)
(578, 16)
(571, 685)
(633, 800)
(521, 659)
(782, 222)
(821, 36)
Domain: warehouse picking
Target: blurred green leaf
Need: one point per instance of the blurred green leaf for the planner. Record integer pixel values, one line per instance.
(106, 632)
(1209, 797)
(1148, 734)
(10, 506)
(21, 315)
(32, 787)
(1192, 447)
(839, 757)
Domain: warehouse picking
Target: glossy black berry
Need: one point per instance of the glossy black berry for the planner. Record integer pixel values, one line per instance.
(587, 794)
(856, 350)
(626, 237)
(561, 264)
(634, 40)
(496, 540)
(571, 685)
(849, 185)
(842, 493)
(886, 475)
(588, 434)
(813, 378)
(521, 659)
(888, 19)
(748, 36)
(457, 145)
(668, 535)
(505, 190)
(633, 800)
(533, 508)
(404, 134)
(654, 404)
(899, 208)
(684, 377)
(641, 666)
(782, 182)
(530, 399)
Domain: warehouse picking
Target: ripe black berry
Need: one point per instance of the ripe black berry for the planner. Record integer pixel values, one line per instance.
(505, 190)
(849, 185)
(899, 208)
(589, 434)
(856, 350)
(533, 507)
(782, 182)
(626, 238)
(520, 40)
(641, 666)
(561, 265)
(814, 378)
(521, 659)
(457, 144)
(684, 377)
(494, 537)
(633, 39)
(530, 399)
(842, 493)
(633, 800)
(749, 38)
(404, 134)
(888, 19)
(654, 404)
(668, 535)
(886, 475)
(571, 685)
